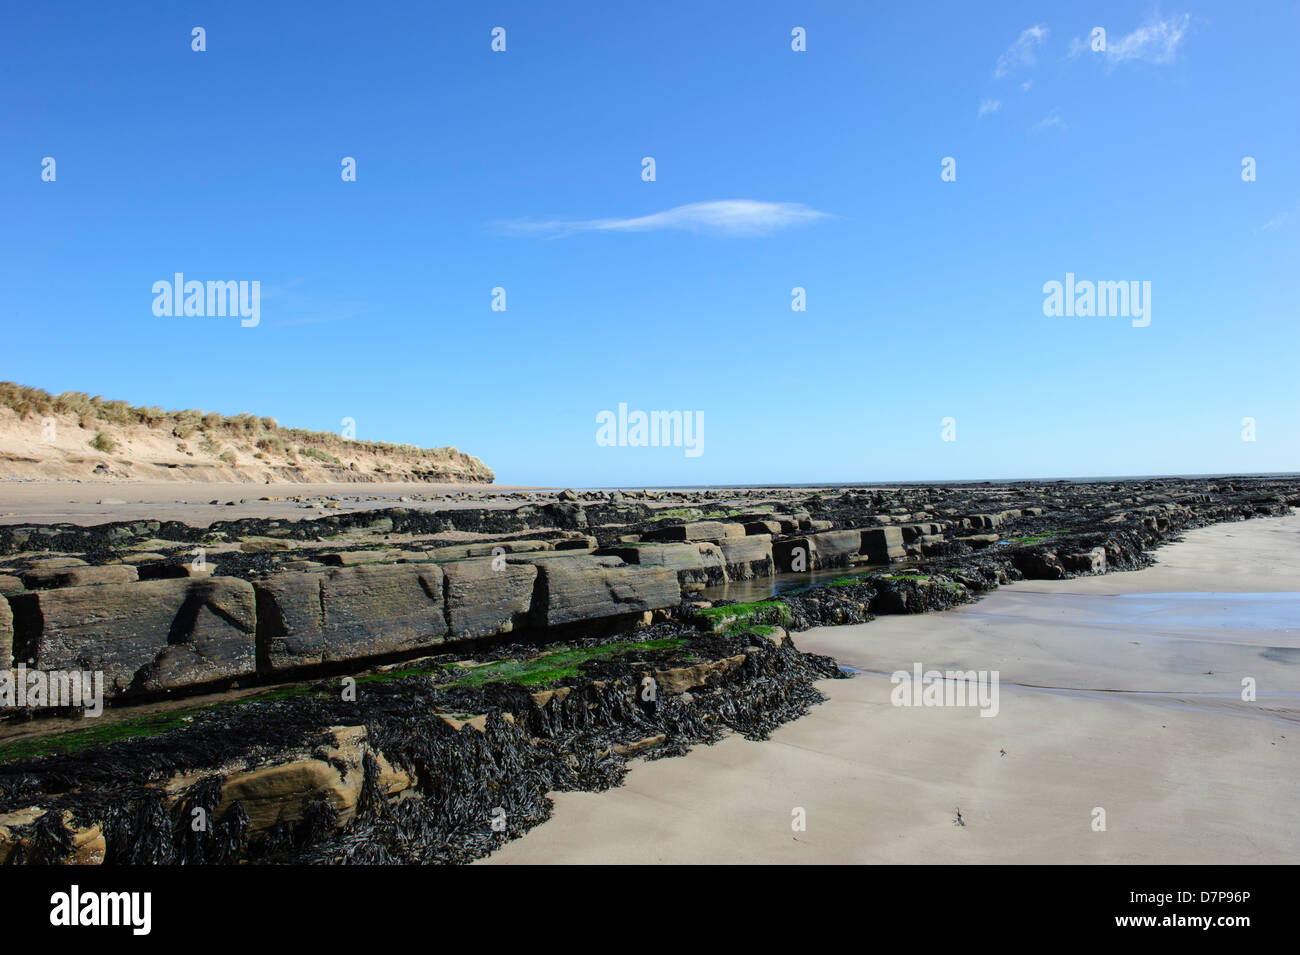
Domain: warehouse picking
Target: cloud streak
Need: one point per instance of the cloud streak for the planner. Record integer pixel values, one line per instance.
(1156, 41)
(1050, 121)
(1021, 53)
(726, 217)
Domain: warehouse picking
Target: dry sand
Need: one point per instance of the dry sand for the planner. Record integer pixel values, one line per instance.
(59, 445)
(1125, 703)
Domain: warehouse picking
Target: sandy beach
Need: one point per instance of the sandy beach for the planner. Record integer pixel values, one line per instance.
(200, 504)
(1109, 699)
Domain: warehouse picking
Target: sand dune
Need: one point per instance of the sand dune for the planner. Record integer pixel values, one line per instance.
(75, 437)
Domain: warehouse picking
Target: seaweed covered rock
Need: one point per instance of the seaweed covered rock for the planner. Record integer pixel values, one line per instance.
(402, 773)
(34, 835)
(836, 605)
(287, 787)
(917, 593)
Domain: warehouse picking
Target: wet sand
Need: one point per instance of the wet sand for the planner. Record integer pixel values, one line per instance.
(47, 502)
(1131, 704)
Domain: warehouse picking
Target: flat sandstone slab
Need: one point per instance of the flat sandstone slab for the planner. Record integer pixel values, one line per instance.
(146, 637)
(486, 597)
(348, 613)
(590, 588)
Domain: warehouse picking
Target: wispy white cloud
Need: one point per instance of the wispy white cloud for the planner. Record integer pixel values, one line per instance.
(340, 312)
(1022, 52)
(727, 217)
(1052, 119)
(1281, 219)
(1156, 41)
(989, 106)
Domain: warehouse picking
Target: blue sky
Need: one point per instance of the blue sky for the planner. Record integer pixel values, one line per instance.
(924, 297)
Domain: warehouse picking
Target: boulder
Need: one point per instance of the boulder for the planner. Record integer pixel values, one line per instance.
(748, 557)
(148, 636)
(285, 789)
(882, 544)
(80, 576)
(483, 601)
(10, 584)
(573, 589)
(793, 555)
(678, 680)
(1038, 564)
(827, 549)
(640, 746)
(347, 613)
(1089, 562)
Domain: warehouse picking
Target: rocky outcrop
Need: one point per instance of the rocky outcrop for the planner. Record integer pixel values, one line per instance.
(145, 637)
(817, 551)
(348, 613)
(405, 579)
(748, 557)
(883, 544)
